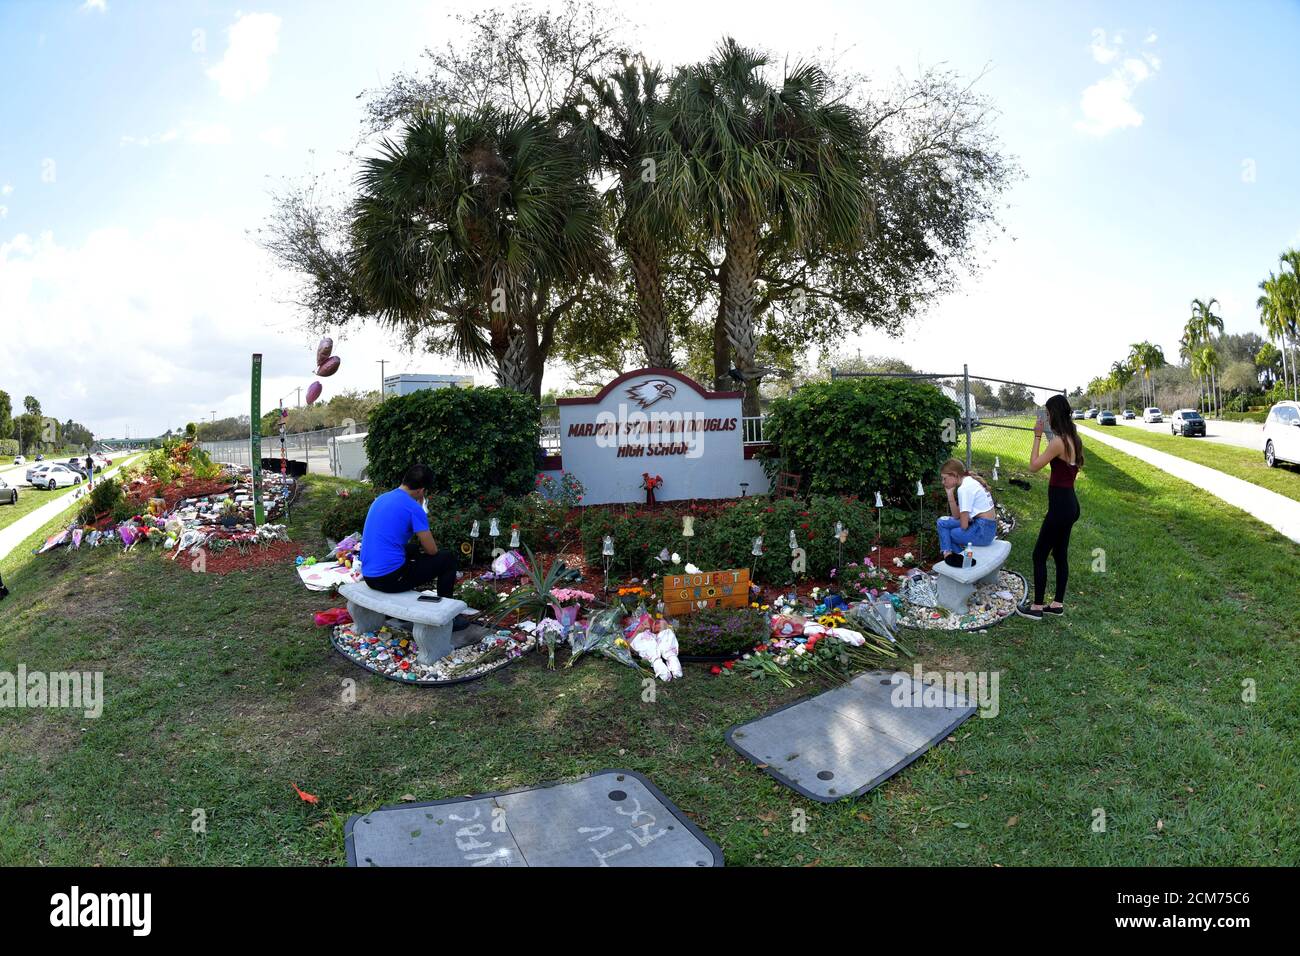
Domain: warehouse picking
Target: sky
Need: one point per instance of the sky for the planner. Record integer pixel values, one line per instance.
(140, 143)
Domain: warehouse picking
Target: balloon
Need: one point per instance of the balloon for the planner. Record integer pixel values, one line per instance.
(328, 367)
(323, 350)
(313, 392)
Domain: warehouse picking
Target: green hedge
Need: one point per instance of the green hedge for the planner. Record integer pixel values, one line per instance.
(346, 515)
(9, 447)
(860, 436)
(474, 439)
(724, 535)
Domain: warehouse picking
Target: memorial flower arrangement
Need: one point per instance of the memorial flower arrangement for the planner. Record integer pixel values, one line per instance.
(541, 590)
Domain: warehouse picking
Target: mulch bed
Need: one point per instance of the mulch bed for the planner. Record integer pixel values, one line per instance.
(257, 556)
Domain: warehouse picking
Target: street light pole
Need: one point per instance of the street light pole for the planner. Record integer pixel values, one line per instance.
(381, 362)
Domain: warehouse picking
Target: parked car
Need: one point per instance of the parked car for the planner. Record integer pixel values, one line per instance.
(1077, 414)
(1282, 434)
(8, 493)
(1153, 415)
(1129, 414)
(1106, 417)
(1187, 422)
(1090, 413)
(19, 460)
(40, 457)
(53, 476)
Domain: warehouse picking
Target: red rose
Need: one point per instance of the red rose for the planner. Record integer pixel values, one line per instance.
(729, 665)
(715, 669)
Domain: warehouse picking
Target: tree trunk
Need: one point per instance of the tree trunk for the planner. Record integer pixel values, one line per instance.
(656, 338)
(514, 368)
(738, 299)
(721, 348)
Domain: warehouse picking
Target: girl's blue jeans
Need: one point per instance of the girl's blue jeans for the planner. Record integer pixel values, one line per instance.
(953, 537)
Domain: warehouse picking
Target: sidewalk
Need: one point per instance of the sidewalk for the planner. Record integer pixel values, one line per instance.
(1276, 511)
(18, 532)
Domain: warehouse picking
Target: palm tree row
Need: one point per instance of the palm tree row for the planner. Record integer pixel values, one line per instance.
(1143, 358)
(490, 219)
(1279, 313)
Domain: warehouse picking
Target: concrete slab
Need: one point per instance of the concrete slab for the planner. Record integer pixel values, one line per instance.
(610, 818)
(849, 740)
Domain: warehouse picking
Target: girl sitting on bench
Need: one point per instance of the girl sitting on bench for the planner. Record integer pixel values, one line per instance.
(973, 521)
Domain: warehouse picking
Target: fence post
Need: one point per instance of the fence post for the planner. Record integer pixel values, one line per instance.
(965, 375)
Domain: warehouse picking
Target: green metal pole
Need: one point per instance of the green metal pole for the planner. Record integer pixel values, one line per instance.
(255, 441)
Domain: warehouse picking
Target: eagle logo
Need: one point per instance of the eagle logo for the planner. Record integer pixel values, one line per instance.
(655, 390)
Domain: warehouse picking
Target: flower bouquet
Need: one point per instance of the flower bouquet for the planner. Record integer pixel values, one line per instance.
(603, 634)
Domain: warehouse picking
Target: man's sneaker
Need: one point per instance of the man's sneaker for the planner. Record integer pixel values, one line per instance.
(1025, 610)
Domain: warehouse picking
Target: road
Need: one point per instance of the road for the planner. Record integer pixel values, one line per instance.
(32, 522)
(17, 474)
(1242, 434)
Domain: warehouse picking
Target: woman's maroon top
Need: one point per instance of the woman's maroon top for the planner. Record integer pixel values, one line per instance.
(1063, 474)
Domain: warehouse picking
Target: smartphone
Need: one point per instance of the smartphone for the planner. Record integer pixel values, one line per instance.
(1042, 420)
(429, 597)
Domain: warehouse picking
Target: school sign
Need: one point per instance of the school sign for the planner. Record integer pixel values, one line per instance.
(659, 422)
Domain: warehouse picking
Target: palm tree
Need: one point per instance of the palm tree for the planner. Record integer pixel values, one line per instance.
(1143, 357)
(1290, 262)
(1209, 359)
(1121, 373)
(1272, 305)
(476, 233)
(758, 161)
(613, 124)
(1205, 323)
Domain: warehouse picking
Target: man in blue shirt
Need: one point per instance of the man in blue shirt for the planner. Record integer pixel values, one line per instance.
(398, 552)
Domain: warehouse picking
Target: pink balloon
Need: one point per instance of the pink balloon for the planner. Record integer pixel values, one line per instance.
(313, 392)
(328, 367)
(324, 349)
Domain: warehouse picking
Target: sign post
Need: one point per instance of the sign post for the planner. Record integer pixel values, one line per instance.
(255, 440)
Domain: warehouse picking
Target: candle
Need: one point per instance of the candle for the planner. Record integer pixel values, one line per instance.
(514, 536)
(879, 502)
(688, 526)
(607, 548)
(757, 549)
(473, 530)
(494, 530)
(920, 492)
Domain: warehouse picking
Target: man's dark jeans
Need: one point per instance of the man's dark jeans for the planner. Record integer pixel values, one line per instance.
(418, 571)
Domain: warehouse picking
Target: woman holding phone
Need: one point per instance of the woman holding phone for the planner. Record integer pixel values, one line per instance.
(1064, 455)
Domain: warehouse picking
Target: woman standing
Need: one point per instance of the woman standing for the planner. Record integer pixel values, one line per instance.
(1064, 453)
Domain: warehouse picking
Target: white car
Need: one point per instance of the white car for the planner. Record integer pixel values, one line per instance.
(1282, 433)
(8, 493)
(19, 460)
(53, 476)
(1152, 415)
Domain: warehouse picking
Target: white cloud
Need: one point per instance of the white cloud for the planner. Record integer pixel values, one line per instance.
(1102, 51)
(246, 67)
(99, 6)
(6, 189)
(274, 136)
(151, 140)
(4, 212)
(1107, 105)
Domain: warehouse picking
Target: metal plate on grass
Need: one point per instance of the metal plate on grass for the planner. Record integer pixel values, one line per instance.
(610, 818)
(849, 740)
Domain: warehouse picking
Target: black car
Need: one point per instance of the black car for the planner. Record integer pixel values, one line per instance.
(1187, 422)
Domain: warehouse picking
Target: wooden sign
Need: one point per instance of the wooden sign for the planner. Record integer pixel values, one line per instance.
(684, 593)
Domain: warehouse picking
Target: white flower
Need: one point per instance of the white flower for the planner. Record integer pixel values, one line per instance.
(908, 556)
(675, 557)
(898, 562)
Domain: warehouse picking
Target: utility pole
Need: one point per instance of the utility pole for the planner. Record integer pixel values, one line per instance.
(299, 391)
(214, 416)
(381, 362)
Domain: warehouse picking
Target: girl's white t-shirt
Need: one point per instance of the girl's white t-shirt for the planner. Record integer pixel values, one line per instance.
(973, 498)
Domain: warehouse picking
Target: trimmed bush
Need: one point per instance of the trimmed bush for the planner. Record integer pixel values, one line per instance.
(724, 535)
(104, 499)
(474, 439)
(346, 515)
(860, 436)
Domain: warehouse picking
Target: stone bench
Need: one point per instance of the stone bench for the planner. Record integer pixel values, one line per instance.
(956, 585)
(431, 621)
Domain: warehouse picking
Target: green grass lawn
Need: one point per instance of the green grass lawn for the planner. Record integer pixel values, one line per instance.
(1244, 463)
(221, 694)
(29, 499)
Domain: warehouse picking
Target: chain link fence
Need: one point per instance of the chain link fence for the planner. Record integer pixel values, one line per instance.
(312, 448)
(995, 420)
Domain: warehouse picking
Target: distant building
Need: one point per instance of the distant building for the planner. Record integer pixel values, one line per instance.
(406, 384)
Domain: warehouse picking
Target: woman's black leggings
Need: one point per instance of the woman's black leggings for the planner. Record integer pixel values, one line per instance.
(1054, 538)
